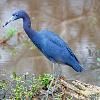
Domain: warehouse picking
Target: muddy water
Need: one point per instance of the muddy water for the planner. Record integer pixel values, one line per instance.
(76, 21)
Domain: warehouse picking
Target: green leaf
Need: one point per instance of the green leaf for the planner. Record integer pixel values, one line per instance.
(10, 32)
(14, 75)
(45, 79)
(3, 84)
(98, 59)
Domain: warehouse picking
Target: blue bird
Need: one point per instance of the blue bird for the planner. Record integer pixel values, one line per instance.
(49, 43)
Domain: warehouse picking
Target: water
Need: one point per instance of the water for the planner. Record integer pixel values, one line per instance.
(77, 22)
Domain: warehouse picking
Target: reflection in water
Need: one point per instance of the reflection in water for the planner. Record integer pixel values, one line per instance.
(4, 56)
(75, 21)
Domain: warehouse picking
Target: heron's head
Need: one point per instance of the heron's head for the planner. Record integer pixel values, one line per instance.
(15, 16)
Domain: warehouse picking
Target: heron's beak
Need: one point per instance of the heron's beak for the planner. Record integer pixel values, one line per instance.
(10, 20)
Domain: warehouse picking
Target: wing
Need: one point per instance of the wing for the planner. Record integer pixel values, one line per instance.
(58, 41)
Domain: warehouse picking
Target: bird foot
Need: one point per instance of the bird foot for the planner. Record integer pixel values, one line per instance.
(51, 89)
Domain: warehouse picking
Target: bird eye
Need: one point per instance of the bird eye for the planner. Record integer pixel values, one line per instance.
(16, 15)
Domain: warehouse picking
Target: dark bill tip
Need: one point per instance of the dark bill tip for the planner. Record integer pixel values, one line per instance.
(5, 24)
(11, 19)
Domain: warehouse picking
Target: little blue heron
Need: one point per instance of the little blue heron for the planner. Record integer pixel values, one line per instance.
(49, 43)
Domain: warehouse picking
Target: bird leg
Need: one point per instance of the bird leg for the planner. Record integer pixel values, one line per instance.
(49, 91)
(57, 72)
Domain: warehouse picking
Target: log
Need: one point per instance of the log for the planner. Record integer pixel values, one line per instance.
(81, 91)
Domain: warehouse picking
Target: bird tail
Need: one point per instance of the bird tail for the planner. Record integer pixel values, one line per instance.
(76, 65)
(78, 68)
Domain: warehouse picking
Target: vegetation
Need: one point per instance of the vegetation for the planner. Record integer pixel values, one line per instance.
(30, 87)
(98, 59)
(20, 38)
(10, 32)
(26, 86)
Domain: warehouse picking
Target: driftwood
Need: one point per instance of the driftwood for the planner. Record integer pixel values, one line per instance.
(80, 91)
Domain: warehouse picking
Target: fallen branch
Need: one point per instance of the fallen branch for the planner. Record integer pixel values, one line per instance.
(80, 90)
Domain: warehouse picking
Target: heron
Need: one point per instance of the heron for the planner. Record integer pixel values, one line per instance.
(48, 42)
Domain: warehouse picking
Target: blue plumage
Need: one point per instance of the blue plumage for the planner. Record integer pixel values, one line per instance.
(49, 43)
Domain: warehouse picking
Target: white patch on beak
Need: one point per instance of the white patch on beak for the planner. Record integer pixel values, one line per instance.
(11, 19)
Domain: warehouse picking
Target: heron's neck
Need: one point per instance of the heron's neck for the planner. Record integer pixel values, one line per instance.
(27, 27)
